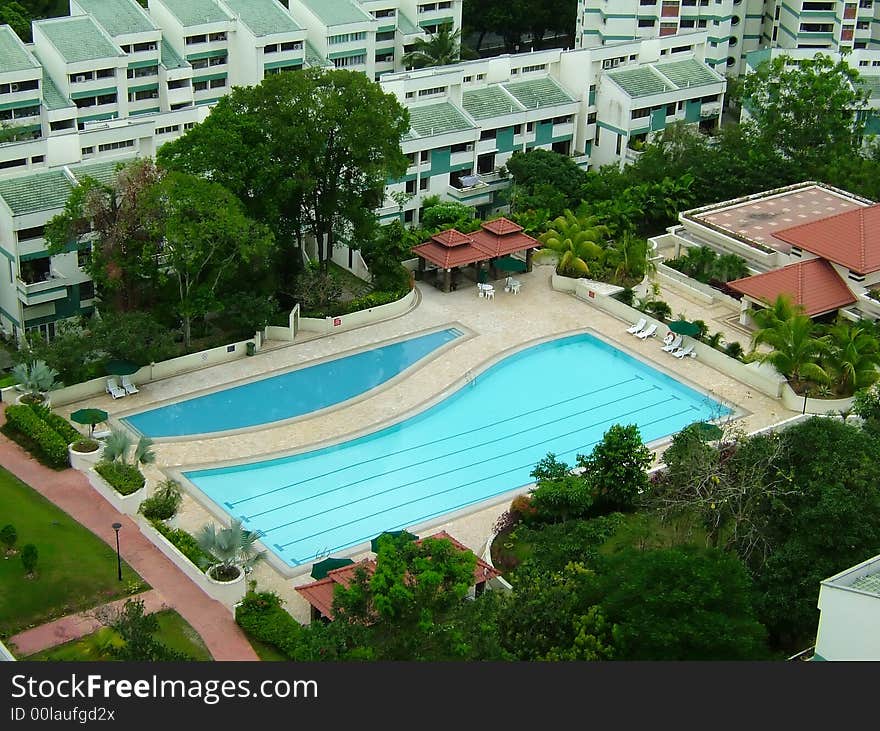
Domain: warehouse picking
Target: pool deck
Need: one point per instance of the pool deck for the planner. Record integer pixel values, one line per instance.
(496, 327)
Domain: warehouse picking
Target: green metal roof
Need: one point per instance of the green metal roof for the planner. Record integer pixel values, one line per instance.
(314, 57)
(537, 93)
(871, 84)
(491, 101)
(196, 12)
(263, 17)
(78, 38)
(119, 17)
(687, 73)
(52, 96)
(33, 193)
(169, 57)
(405, 25)
(437, 119)
(103, 172)
(870, 583)
(640, 81)
(13, 55)
(336, 12)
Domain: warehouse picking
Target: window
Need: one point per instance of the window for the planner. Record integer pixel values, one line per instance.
(87, 151)
(200, 85)
(139, 96)
(487, 134)
(218, 83)
(142, 72)
(82, 256)
(640, 113)
(646, 22)
(86, 290)
(387, 35)
(271, 48)
(538, 67)
(107, 99)
(115, 145)
(347, 38)
(591, 118)
(433, 91)
(193, 40)
(105, 73)
(167, 130)
(411, 187)
(423, 183)
(26, 234)
(342, 63)
(217, 36)
(292, 46)
(425, 156)
(386, 13)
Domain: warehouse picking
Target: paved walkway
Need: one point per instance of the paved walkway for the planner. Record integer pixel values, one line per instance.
(75, 626)
(71, 492)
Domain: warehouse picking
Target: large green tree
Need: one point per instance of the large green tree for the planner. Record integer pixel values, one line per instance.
(308, 152)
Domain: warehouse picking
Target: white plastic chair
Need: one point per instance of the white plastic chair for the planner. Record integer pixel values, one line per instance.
(489, 293)
(672, 345)
(637, 327)
(650, 332)
(129, 387)
(113, 389)
(689, 350)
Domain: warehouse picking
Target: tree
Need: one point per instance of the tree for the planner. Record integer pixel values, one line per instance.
(135, 336)
(448, 214)
(780, 97)
(29, 555)
(617, 468)
(304, 152)
(545, 180)
(578, 241)
(234, 549)
(628, 255)
(384, 252)
(137, 630)
(795, 350)
(438, 49)
(681, 603)
(35, 378)
(562, 498)
(206, 239)
(852, 357)
(19, 17)
(316, 290)
(8, 537)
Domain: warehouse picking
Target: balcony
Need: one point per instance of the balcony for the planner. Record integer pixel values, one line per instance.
(37, 293)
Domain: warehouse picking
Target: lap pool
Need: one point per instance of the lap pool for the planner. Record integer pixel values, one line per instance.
(290, 394)
(478, 443)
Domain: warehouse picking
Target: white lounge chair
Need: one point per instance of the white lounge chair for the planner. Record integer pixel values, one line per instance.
(682, 352)
(114, 389)
(637, 327)
(129, 387)
(649, 332)
(103, 434)
(669, 347)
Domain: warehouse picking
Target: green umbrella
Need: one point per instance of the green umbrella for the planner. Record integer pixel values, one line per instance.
(122, 368)
(90, 417)
(322, 568)
(374, 544)
(706, 431)
(683, 327)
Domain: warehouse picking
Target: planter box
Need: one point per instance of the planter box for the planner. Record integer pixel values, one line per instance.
(46, 401)
(793, 402)
(228, 593)
(84, 461)
(127, 504)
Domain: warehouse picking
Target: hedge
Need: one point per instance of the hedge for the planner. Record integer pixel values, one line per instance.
(373, 299)
(184, 543)
(262, 617)
(124, 478)
(58, 423)
(51, 445)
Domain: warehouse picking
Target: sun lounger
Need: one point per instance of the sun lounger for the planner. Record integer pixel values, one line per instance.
(103, 434)
(637, 327)
(129, 387)
(673, 345)
(114, 389)
(682, 352)
(649, 332)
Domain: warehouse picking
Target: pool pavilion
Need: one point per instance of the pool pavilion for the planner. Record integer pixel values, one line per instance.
(450, 253)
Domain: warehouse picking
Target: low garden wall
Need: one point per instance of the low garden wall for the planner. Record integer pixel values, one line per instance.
(326, 325)
(794, 402)
(227, 593)
(697, 289)
(127, 504)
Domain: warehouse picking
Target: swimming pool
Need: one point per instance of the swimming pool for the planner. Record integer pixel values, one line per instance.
(478, 443)
(290, 394)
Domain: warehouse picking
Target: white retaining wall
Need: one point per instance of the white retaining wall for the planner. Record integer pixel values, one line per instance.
(794, 402)
(358, 265)
(127, 504)
(372, 315)
(699, 290)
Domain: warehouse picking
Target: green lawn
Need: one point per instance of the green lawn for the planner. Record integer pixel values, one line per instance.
(174, 632)
(75, 569)
(267, 653)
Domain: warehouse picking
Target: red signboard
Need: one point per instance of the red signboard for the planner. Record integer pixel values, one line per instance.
(337, 321)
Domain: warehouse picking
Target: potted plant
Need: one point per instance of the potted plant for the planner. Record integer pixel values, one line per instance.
(35, 380)
(84, 453)
(234, 549)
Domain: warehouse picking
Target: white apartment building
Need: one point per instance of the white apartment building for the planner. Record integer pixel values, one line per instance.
(849, 622)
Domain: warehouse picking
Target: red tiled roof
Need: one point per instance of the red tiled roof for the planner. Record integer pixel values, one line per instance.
(851, 239)
(320, 593)
(813, 284)
(449, 249)
(449, 257)
(451, 237)
(502, 226)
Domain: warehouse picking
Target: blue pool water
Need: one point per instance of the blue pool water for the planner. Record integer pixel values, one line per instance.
(482, 441)
(289, 394)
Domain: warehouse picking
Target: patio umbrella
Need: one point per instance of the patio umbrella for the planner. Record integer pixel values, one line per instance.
(683, 327)
(374, 544)
(706, 431)
(89, 416)
(122, 368)
(322, 568)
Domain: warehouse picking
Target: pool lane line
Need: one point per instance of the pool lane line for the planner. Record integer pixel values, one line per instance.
(428, 460)
(452, 471)
(435, 494)
(423, 444)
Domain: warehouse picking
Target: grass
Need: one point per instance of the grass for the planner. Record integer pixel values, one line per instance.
(174, 632)
(266, 653)
(75, 570)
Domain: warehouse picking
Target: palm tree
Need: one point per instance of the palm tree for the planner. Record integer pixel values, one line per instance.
(232, 549)
(782, 309)
(577, 241)
(439, 49)
(629, 257)
(143, 451)
(116, 446)
(853, 356)
(795, 349)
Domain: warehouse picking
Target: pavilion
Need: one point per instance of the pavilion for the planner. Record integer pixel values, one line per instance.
(494, 243)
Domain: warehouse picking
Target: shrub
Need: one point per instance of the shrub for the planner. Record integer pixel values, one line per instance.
(262, 617)
(29, 556)
(124, 478)
(163, 503)
(184, 543)
(85, 445)
(626, 295)
(373, 299)
(8, 537)
(35, 377)
(50, 445)
(734, 350)
(59, 424)
(522, 507)
(617, 468)
(658, 308)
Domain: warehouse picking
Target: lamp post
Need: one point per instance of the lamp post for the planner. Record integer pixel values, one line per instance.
(116, 527)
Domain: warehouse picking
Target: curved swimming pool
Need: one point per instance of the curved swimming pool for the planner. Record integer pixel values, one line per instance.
(288, 395)
(478, 443)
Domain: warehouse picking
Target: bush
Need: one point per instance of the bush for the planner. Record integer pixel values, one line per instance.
(626, 295)
(124, 478)
(373, 299)
(50, 445)
(658, 308)
(522, 507)
(85, 445)
(734, 350)
(163, 503)
(8, 537)
(29, 556)
(184, 543)
(262, 617)
(59, 424)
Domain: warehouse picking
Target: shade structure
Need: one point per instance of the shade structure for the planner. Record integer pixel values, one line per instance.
(122, 367)
(374, 544)
(683, 327)
(320, 569)
(707, 431)
(510, 264)
(89, 416)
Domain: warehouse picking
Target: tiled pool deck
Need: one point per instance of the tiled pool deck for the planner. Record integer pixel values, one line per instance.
(507, 322)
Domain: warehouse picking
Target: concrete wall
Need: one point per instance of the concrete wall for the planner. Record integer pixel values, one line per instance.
(794, 402)
(698, 290)
(127, 504)
(328, 325)
(849, 624)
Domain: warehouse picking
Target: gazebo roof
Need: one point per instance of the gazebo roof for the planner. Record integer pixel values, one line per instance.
(451, 237)
(451, 248)
(449, 257)
(502, 236)
(502, 226)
